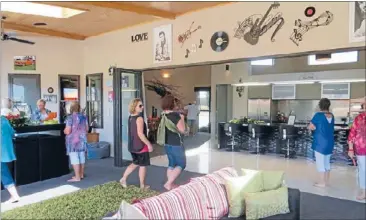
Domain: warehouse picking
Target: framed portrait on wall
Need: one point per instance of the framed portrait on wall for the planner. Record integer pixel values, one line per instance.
(357, 21)
(162, 41)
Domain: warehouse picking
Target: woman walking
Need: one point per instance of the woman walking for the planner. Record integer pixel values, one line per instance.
(171, 129)
(138, 144)
(357, 146)
(76, 130)
(322, 126)
(7, 155)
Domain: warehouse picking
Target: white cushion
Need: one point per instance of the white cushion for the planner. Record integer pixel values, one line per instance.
(128, 211)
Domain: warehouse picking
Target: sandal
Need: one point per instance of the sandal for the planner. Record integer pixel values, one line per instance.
(123, 183)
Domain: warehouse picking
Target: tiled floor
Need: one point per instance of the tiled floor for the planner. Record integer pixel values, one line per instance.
(300, 173)
(204, 159)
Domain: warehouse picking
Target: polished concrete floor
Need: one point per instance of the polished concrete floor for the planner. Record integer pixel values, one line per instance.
(299, 173)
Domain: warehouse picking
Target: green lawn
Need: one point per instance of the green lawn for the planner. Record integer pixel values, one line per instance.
(91, 203)
(30, 67)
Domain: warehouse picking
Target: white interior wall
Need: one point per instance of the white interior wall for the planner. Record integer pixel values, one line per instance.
(54, 56)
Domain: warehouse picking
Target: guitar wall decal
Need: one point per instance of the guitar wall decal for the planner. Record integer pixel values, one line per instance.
(252, 37)
(304, 26)
(187, 34)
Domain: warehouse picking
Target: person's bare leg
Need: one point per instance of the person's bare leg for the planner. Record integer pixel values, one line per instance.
(82, 168)
(327, 178)
(362, 195)
(322, 182)
(13, 193)
(172, 176)
(142, 176)
(127, 172)
(77, 177)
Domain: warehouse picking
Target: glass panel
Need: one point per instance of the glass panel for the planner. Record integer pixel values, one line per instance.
(266, 62)
(203, 101)
(343, 57)
(130, 91)
(25, 90)
(94, 100)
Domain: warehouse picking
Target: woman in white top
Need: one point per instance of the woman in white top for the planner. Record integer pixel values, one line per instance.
(7, 108)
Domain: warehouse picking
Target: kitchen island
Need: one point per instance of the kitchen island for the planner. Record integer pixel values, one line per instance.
(270, 138)
(40, 152)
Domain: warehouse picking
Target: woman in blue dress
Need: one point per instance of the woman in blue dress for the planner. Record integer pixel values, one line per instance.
(7, 156)
(322, 126)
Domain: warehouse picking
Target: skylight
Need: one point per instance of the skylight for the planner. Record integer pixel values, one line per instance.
(265, 62)
(342, 57)
(39, 9)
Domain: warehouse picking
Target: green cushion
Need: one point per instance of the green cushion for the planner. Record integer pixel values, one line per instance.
(265, 204)
(271, 179)
(237, 186)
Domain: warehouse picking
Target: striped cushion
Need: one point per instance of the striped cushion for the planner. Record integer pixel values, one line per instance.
(214, 184)
(185, 202)
(221, 175)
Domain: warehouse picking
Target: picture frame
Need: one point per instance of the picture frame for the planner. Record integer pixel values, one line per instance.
(357, 21)
(24, 63)
(50, 98)
(162, 44)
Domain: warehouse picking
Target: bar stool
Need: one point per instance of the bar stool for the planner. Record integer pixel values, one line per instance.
(233, 132)
(289, 133)
(258, 133)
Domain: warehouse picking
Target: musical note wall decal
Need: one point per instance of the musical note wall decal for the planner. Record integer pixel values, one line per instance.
(302, 27)
(193, 48)
(255, 26)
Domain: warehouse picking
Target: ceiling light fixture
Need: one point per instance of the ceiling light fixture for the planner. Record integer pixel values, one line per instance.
(166, 75)
(39, 24)
(293, 82)
(343, 81)
(39, 9)
(323, 56)
(251, 84)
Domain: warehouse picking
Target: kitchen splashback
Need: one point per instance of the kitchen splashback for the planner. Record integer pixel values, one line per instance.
(305, 109)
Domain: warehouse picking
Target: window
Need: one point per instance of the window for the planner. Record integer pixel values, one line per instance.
(266, 62)
(94, 99)
(342, 57)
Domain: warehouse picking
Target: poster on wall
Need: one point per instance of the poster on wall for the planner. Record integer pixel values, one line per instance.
(357, 20)
(162, 41)
(25, 63)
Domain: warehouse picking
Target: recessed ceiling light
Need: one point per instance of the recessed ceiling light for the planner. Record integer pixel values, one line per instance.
(39, 24)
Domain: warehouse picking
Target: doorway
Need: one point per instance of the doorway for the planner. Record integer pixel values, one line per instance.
(25, 90)
(127, 85)
(203, 99)
(69, 90)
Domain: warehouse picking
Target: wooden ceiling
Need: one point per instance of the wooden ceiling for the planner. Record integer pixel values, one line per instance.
(100, 17)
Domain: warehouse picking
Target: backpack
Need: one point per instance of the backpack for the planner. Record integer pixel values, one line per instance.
(165, 122)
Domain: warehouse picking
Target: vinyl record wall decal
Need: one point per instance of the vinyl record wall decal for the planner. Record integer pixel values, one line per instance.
(310, 11)
(219, 41)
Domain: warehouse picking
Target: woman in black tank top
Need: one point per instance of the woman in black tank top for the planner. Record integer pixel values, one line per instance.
(138, 145)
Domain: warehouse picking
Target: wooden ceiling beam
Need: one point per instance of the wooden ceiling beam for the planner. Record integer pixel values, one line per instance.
(130, 7)
(49, 32)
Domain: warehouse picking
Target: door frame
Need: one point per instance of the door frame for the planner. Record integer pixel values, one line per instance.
(11, 77)
(206, 89)
(117, 111)
(59, 91)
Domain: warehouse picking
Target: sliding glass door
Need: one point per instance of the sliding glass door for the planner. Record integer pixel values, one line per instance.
(127, 85)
